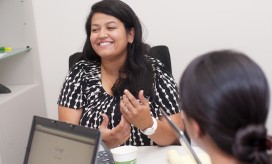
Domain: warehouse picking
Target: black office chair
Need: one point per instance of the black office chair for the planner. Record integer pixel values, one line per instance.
(74, 58)
(161, 52)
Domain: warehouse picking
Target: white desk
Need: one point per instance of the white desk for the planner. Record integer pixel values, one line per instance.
(156, 154)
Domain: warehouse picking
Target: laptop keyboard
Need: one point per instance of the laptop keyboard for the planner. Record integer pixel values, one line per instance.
(104, 157)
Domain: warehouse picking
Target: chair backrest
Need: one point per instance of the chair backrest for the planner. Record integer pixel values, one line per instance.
(160, 52)
(74, 58)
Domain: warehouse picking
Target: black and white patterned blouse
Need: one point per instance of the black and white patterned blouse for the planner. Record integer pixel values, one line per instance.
(83, 89)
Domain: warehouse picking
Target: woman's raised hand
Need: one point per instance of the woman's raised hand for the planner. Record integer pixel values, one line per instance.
(117, 135)
(136, 112)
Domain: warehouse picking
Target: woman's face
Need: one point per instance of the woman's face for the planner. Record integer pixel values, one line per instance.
(109, 37)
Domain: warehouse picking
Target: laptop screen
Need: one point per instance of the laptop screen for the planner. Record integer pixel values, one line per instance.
(54, 142)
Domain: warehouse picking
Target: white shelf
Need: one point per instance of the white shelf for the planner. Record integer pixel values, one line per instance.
(14, 52)
(16, 113)
(20, 72)
(15, 91)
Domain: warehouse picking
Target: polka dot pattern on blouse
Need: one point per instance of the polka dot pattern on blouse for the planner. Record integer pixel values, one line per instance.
(82, 89)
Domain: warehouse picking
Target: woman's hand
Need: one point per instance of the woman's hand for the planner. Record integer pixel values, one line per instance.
(116, 136)
(135, 112)
(138, 114)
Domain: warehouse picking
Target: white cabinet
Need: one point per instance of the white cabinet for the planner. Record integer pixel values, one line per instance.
(20, 72)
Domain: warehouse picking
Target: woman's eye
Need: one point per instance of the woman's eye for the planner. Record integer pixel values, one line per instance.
(111, 28)
(94, 30)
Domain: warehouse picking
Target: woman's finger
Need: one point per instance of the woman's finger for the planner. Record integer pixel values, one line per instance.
(142, 99)
(132, 99)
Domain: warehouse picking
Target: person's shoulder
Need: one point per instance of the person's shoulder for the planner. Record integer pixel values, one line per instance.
(85, 67)
(154, 62)
(157, 65)
(86, 64)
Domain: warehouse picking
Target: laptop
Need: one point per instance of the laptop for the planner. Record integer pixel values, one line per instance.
(56, 142)
(182, 138)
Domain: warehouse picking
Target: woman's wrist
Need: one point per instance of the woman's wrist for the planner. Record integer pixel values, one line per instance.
(152, 129)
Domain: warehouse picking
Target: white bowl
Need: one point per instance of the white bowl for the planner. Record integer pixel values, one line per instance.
(127, 154)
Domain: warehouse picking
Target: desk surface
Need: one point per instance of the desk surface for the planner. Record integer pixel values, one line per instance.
(157, 154)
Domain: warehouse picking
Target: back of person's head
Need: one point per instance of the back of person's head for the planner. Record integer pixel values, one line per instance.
(126, 15)
(227, 94)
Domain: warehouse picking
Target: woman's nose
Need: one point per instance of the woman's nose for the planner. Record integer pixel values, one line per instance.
(103, 33)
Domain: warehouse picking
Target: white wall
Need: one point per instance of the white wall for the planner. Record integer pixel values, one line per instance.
(188, 28)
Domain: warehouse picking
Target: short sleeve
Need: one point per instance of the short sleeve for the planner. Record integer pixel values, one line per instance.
(165, 89)
(72, 92)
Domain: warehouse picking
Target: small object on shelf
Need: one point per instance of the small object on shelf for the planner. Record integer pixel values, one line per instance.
(5, 49)
(4, 89)
(12, 51)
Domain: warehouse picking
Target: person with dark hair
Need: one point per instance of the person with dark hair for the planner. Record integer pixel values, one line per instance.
(225, 99)
(116, 87)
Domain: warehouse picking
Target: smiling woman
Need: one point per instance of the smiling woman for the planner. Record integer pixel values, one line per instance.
(109, 38)
(116, 87)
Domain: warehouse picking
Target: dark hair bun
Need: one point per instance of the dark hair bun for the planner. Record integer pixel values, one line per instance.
(250, 145)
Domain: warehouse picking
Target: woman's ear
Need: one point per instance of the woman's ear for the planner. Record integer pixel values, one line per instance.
(131, 35)
(197, 131)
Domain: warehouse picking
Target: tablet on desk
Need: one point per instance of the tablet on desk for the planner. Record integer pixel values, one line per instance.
(182, 138)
